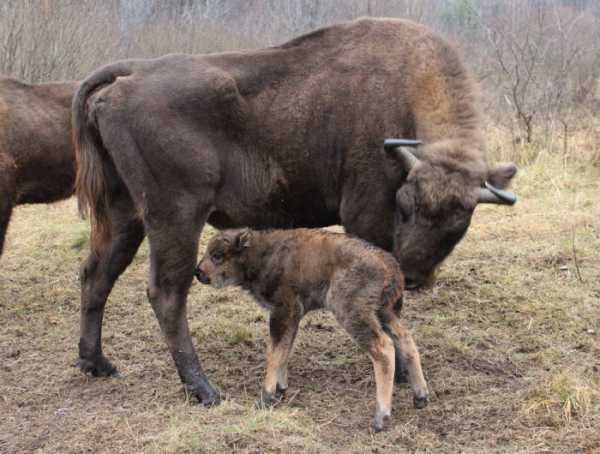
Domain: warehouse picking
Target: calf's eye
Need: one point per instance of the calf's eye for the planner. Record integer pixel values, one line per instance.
(217, 258)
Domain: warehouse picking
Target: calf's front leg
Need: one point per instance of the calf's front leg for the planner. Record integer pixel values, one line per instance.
(283, 327)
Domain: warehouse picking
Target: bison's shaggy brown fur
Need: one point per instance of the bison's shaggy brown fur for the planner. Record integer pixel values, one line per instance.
(37, 160)
(280, 137)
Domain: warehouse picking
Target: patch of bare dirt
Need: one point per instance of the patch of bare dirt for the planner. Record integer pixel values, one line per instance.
(509, 341)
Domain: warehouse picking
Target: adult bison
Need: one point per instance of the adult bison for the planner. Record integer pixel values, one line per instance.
(37, 161)
(286, 136)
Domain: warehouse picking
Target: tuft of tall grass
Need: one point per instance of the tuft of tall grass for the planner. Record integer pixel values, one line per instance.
(563, 398)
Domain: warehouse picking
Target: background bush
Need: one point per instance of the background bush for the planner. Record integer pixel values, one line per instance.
(538, 61)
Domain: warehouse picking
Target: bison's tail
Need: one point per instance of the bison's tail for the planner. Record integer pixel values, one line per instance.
(93, 162)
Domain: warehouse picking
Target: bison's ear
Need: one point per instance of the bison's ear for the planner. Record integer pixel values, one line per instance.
(500, 176)
(243, 239)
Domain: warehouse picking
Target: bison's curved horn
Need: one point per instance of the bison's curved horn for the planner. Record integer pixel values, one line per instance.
(408, 158)
(491, 194)
(400, 147)
(393, 143)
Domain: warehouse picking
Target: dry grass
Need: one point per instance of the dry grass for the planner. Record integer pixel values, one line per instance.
(509, 338)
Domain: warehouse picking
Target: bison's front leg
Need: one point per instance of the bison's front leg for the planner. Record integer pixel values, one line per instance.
(173, 252)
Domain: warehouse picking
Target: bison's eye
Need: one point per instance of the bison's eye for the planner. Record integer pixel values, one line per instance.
(405, 205)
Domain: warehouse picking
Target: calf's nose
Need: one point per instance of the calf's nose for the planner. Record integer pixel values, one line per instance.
(201, 275)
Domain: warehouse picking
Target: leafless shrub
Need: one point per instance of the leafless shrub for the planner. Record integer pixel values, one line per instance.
(546, 64)
(539, 61)
(42, 40)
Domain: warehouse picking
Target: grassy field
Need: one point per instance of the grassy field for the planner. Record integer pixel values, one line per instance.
(509, 336)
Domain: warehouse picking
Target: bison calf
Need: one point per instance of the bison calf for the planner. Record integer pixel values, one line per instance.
(291, 272)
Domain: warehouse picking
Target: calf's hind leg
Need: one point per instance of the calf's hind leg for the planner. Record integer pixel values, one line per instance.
(381, 352)
(407, 350)
(369, 335)
(401, 372)
(98, 275)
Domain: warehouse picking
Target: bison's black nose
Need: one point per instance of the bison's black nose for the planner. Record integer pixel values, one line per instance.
(419, 281)
(411, 284)
(201, 276)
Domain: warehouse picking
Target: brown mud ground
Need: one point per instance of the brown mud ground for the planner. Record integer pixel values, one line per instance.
(509, 336)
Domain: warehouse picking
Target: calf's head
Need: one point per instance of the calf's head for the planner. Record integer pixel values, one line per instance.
(435, 204)
(222, 264)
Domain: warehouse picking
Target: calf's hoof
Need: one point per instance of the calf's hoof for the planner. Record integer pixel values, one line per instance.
(420, 402)
(280, 392)
(269, 400)
(97, 367)
(401, 376)
(381, 423)
(400, 371)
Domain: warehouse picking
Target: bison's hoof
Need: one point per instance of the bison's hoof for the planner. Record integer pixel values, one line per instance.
(206, 395)
(420, 402)
(381, 423)
(98, 367)
(213, 399)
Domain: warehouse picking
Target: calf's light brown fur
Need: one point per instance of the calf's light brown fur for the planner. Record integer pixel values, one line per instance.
(292, 272)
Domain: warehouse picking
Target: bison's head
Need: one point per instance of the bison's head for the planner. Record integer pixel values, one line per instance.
(435, 203)
(222, 264)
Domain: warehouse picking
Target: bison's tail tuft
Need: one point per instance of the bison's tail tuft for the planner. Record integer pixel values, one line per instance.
(93, 162)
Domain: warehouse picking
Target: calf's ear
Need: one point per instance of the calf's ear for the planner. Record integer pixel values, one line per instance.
(243, 239)
(501, 175)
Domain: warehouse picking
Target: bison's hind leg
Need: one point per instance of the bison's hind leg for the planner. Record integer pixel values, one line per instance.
(98, 275)
(173, 254)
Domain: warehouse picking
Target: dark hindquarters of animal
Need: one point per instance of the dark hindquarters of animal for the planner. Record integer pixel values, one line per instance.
(173, 214)
(98, 275)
